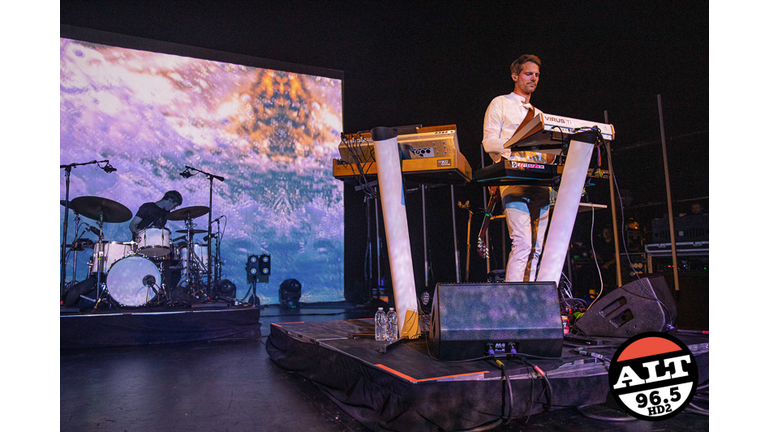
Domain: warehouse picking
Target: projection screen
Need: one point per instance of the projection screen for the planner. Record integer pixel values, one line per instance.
(270, 134)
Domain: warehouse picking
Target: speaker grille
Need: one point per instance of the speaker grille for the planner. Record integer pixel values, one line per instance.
(466, 317)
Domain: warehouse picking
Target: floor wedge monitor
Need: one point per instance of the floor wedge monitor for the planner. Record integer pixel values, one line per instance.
(643, 305)
(469, 320)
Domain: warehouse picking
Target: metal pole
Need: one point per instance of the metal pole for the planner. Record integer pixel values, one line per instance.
(369, 274)
(378, 249)
(669, 196)
(62, 263)
(424, 228)
(613, 208)
(210, 227)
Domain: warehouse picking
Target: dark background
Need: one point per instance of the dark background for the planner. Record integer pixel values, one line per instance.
(435, 63)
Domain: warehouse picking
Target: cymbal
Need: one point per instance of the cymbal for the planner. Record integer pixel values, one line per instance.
(194, 231)
(101, 209)
(188, 212)
(182, 242)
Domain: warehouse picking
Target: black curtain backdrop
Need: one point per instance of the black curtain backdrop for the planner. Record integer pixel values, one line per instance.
(435, 63)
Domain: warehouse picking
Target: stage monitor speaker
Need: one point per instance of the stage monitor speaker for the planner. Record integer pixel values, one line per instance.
(468, 319)
(644, 305)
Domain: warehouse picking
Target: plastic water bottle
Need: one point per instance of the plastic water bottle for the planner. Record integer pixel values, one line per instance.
(380, 321)
(392, 325)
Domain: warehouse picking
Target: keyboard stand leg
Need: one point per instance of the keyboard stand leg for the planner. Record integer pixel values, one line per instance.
(566, 206)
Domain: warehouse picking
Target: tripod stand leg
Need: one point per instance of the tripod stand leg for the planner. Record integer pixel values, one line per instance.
(100, 291)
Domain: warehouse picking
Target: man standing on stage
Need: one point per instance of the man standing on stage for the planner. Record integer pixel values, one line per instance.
(526, 207)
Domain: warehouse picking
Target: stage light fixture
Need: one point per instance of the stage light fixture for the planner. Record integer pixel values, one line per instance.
(289, 293)
(225, 288)
(258, 268)
(265, 265)
(252, 268)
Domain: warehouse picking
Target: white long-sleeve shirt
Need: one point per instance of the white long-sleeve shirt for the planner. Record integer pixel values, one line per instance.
(502, 118)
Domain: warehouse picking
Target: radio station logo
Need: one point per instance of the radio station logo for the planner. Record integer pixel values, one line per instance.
(653, 376)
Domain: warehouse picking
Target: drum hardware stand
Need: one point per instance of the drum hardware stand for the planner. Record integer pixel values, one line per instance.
(186, 174)
(191, 276)
(134, 247)
(100, 291)
(217, 257)
(73, 247)
(163, 287)
(67, 172)
(152, 284)
(99, 262)
(217, 260)
(216, 263)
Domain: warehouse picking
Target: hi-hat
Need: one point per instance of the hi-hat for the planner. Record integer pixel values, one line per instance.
(188, 213)
(100, 209)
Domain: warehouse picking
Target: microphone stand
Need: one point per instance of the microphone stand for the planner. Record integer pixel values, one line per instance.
(211, 177)
(67, 173)
(217, 267)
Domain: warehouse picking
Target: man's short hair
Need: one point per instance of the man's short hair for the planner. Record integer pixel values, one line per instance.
(517, 66)
(173, 195)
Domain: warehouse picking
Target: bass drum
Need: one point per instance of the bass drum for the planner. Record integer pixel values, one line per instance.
(131, 280)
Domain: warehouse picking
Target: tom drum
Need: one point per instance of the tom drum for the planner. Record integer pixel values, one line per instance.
(109, 252)
(154, 242)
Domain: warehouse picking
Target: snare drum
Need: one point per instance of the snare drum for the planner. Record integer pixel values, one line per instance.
(154, 242)
(110, 252)
(131, 280)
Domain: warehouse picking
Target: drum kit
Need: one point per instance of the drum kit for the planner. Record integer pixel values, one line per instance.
(153, 268)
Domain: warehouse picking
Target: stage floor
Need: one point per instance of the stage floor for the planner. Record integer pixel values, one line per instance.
(234, 385)
(403, 387)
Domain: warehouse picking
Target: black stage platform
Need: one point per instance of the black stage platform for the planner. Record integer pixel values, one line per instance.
(401, 387)
(147, 326)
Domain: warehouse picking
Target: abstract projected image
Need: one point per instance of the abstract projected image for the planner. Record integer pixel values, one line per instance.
(268, 136)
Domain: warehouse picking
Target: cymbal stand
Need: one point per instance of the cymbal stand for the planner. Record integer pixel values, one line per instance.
(187, 264)
(200, 269)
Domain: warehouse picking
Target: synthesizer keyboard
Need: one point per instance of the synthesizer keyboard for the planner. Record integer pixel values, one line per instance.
(546, 133)
(430, 155)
